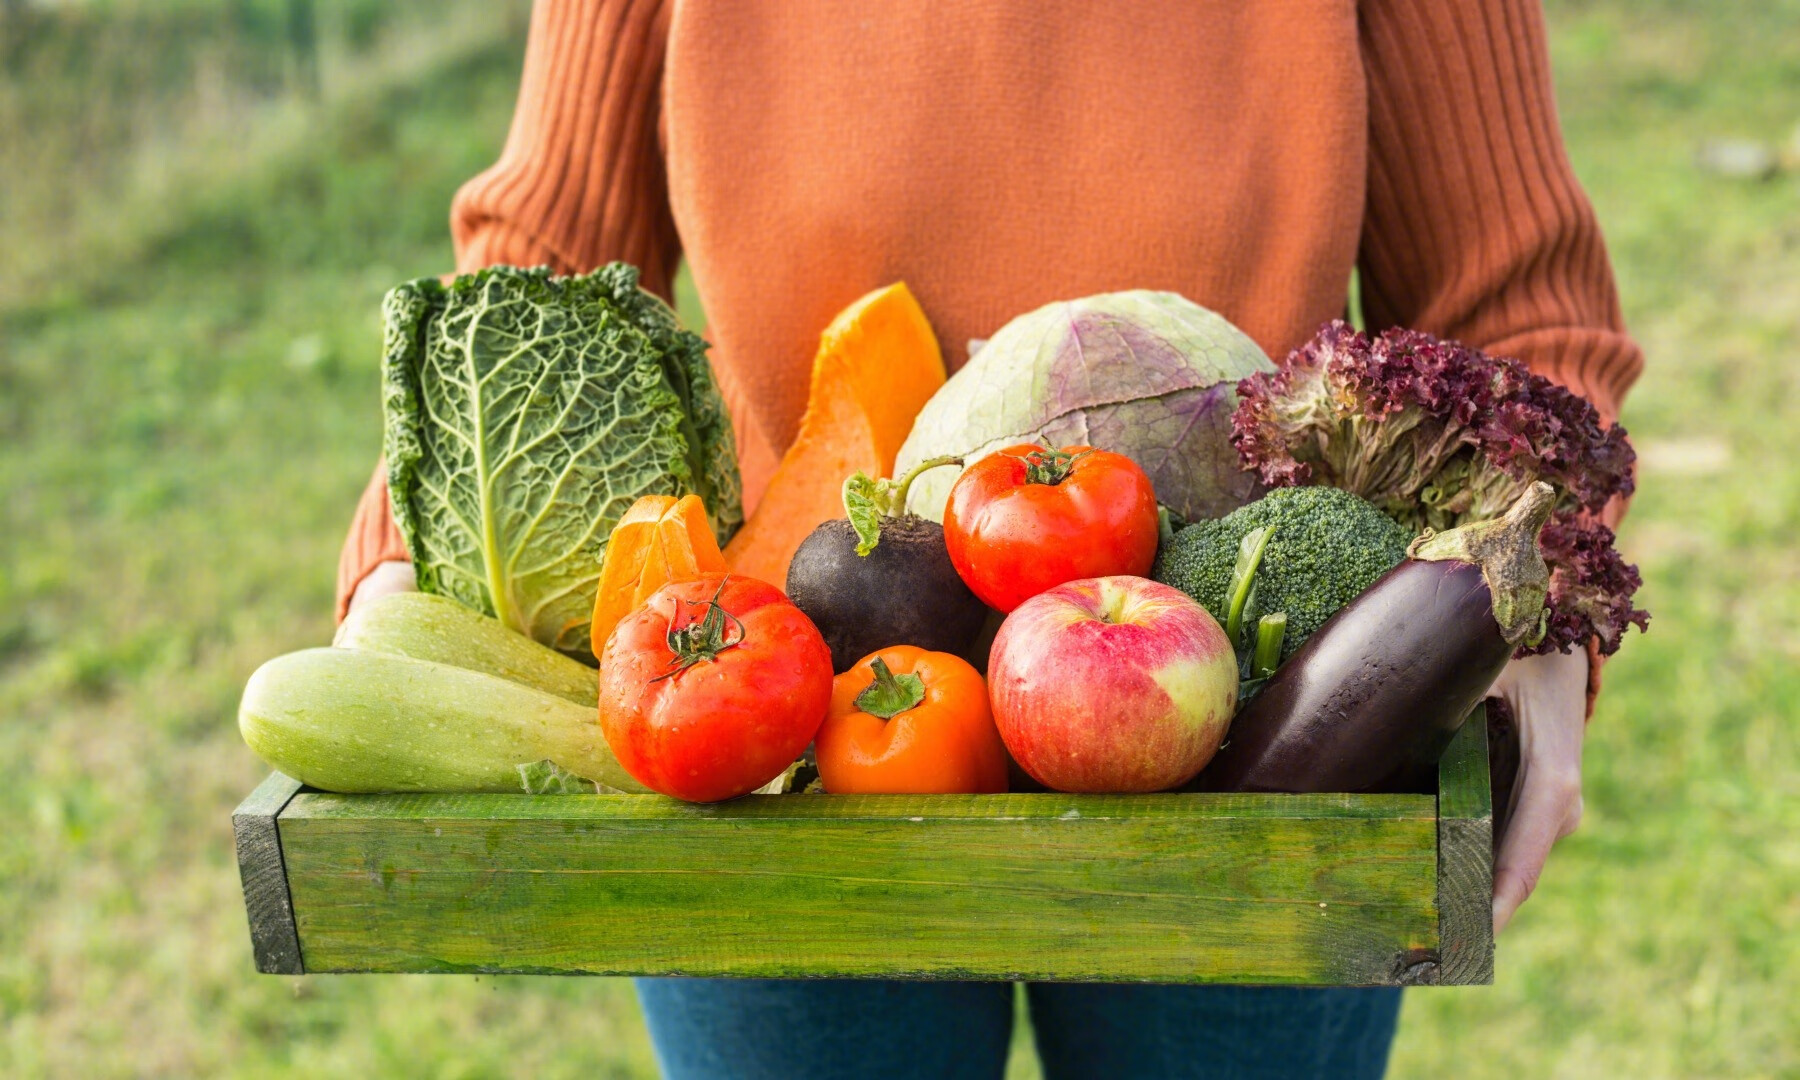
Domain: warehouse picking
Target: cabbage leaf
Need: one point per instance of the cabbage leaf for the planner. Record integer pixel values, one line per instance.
(1150, 375)
(524, 414)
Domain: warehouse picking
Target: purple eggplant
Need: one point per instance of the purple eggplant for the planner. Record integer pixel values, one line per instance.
(1372, 699)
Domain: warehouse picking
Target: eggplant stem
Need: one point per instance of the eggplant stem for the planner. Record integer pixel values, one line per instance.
(1505, 549)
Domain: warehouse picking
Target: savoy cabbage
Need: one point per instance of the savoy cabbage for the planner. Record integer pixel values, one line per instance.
(525, 413)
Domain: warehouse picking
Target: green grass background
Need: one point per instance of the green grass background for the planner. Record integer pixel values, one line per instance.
(201, 202)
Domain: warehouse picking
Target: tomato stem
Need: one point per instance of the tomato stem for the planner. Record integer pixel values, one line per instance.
(890, 694)
(701, 639)
(1045, 465)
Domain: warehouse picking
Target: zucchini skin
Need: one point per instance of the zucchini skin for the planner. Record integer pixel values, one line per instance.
(360, 722)
(429, 627)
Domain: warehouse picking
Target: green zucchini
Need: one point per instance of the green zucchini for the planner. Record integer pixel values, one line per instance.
(352, 721)
(437, 628)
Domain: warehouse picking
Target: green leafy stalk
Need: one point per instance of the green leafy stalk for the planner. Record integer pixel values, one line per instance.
(1243, 580)
(1168, 523)
(1271, 631)
(890, 694)
(867, 501)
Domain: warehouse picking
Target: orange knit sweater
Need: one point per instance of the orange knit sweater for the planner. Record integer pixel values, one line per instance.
(1000, 154)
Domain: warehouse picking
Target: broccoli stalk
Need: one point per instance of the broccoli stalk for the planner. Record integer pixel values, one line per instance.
(1243, 581)
(1266, 654)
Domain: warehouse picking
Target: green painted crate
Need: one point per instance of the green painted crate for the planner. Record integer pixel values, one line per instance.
(1348, 890)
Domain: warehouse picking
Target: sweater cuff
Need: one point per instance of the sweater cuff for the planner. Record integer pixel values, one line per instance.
(373, 540)
(1595, 662)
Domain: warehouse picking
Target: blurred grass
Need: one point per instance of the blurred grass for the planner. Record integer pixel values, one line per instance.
(199, 218)
(1665, 938)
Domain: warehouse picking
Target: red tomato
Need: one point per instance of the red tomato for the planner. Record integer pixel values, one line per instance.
(1027, 518)
(713, 687)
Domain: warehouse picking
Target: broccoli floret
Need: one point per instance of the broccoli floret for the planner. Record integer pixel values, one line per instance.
(1327, 547)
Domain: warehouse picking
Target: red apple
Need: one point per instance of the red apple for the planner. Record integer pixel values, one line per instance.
(1112, 684)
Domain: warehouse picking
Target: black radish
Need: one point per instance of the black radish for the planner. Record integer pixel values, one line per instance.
(1372, 699)
(882, 577)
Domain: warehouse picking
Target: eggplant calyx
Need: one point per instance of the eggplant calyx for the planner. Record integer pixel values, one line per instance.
(1506, 550)
(890, 694)
(868, 501)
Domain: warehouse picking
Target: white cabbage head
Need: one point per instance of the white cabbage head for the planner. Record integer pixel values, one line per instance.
(1150, 375)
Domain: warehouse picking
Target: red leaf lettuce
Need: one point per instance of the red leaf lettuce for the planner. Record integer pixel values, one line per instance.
(1438, 434)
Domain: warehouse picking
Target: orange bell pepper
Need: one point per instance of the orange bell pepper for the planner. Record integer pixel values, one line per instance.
(908, 721)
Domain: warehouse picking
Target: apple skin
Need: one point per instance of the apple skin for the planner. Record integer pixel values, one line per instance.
(1114, 684)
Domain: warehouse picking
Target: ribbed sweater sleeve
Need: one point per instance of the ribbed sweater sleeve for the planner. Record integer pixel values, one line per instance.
(579, 183)
(1475, 226)
(373, 539)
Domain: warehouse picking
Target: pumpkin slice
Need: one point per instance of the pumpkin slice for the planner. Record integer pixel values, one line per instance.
(684, 548)
(627, 547)
(882, 348)
(659, 540)
(878, 363)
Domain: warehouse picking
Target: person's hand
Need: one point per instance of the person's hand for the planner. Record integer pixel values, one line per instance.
(389, 577)
(1548, 695)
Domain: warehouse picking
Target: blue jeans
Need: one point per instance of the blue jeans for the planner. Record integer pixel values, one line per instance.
(760, 1029)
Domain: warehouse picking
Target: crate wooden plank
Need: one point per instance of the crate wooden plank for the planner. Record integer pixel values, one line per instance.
(1315, 889)
(274, 939)
(1466, 858)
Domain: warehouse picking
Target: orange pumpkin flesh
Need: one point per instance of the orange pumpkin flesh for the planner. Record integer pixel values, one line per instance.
(659, 540)
(878, 363)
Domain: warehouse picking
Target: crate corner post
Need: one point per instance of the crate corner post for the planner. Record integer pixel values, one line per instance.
(274, 936)
(1466, 859)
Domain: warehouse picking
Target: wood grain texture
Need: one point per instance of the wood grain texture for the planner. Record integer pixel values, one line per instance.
(1312, 889)
(1466, 859)
(274, 939)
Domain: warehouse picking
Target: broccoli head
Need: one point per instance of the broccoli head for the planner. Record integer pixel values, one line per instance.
(1326, 548)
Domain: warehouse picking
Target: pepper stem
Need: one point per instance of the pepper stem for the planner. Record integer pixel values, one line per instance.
(890, 694)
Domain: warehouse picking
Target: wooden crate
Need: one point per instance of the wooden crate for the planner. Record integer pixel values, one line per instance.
(1347, 890)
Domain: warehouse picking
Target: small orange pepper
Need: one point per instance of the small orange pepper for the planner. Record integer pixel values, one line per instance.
(909, 721)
